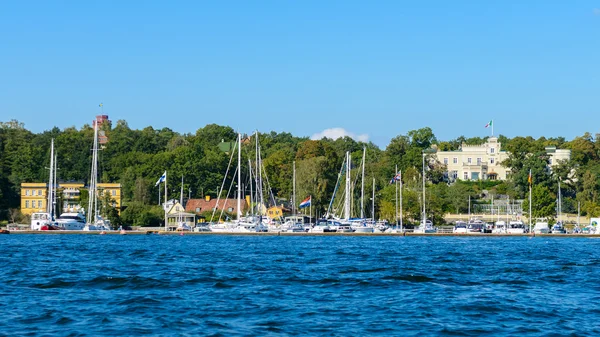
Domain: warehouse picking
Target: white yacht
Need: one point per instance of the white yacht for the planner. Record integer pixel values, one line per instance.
(558, 228)
(541, 227)
(425, 227)
(293, 224)
(221, 227)
(361, 226)
(517, 227)
(475, 226)
(323, 226)
(71, 221)
(500, 227)
(460, 227)
(42, 221)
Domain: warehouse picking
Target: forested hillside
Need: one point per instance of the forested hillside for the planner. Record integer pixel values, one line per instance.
(137, 158)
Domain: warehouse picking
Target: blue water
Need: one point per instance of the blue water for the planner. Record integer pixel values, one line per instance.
(84, 285)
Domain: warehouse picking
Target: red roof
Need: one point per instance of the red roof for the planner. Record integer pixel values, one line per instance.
(201, 205)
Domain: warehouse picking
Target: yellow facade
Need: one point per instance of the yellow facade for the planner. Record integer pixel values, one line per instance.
(275, 212)
(114, 190)
(33, 198)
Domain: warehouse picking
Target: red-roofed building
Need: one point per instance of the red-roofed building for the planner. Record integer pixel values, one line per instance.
(101, 120)
(202, 205)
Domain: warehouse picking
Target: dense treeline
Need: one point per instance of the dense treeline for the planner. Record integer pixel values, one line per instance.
(136, 158)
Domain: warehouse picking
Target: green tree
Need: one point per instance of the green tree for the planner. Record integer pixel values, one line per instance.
(543, 202)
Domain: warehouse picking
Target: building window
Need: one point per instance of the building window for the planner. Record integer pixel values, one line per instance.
(454, 160)
(26, 192)
(492, 150)
(33, 192)
(39, 204)
(466, 176)
(39, 192)
(478, 161)
(445, 161)
(113, 192)
(197, 209)
(230, 209)
(454, 174)
(469, 160)
(26, 203)
(491, 160)
(474, 175)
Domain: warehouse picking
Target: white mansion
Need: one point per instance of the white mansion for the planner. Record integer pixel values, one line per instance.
(475, 162)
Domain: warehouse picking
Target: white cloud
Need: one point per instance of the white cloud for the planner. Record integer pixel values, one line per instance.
(335, 133)
(596, 11)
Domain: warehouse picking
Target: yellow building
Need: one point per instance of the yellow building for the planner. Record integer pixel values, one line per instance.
(275, 212)
(71, 196)
(33, 198)
(114, 190)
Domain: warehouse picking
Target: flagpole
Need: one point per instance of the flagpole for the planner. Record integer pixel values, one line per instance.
(492, 128)
(309, 209)
(166, 227)
(401, 224)
(530, 183)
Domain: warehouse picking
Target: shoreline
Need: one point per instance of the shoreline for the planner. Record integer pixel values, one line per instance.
(487, 235)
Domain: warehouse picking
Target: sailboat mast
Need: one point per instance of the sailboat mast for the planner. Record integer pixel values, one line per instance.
(54, 202)
(424, 214)
(373, 200)
(294, 187)
(181, 200)
(396, 198)
(347, 203)
(559, 206)
(401, 224)
(251, 189)
(51, 180)
(362, 192)
(239, 178)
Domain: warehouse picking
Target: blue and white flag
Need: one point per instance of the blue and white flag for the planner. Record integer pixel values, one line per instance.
(305, 202)
(162, 178)
(397, 177)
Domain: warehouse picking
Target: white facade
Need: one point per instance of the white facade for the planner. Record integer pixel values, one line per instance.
(484, 161)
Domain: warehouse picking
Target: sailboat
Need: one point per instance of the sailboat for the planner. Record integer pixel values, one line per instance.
(293, 223)
(45, 220)
(426, 225)
(181, 224)
(558, 227)
(361, 225)
(94, 222)
(240, 225)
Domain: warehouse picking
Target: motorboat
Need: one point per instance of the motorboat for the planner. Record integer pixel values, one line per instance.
(71, 221)
(382, 226)
(516, 227)
(541, 227)
(322, 226)
(362, 226)
(558, 228)
(460, 227)
(42, 221)
(500, 227)
(425, 227)
(293, 224)
(475, 226)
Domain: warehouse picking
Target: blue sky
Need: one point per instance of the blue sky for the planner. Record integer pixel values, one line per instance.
(374, 69)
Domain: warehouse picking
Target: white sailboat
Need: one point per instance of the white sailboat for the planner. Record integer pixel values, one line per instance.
(241, 225)
(93, 221)
(426, 226)
(46, 220)
(361, 225)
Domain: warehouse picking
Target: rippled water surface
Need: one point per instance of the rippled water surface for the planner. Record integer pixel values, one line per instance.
(269, 285)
